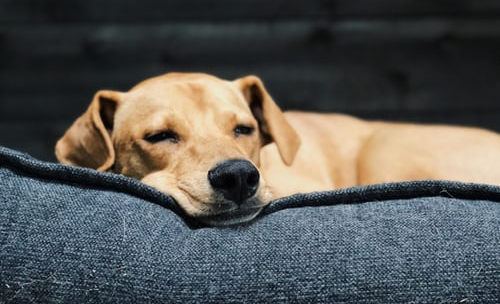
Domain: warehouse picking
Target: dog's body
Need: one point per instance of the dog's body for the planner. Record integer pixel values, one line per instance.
(223, 149)
(341, 151)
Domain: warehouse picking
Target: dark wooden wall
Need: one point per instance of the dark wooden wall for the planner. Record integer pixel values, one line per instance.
(426, 61)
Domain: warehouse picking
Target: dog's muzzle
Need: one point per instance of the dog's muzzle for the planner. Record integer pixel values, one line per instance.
(236, 179)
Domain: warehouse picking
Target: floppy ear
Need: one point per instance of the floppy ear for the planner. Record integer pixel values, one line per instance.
(272, 123)
(87, 143)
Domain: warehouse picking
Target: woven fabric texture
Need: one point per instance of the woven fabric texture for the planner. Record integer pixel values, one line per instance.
(73, 235)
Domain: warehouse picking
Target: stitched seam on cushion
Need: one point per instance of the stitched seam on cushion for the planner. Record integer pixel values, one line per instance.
(389, 191)
(25, 165)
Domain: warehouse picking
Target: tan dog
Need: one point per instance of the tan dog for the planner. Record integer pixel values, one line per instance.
(223, 149)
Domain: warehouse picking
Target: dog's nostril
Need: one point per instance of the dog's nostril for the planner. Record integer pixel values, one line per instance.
(237, 180)
(253, 179)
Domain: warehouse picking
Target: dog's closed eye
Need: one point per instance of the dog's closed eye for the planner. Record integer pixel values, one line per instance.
(163, 136)
(243, 130)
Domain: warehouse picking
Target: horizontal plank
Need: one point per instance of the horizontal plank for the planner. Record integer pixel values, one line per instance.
(37, 139)
(308, 87)
(124, 11)
(42, 106)
(177, 40)
(424, 86)
(87, 50)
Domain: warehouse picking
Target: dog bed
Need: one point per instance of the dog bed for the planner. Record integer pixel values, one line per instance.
(74, 235)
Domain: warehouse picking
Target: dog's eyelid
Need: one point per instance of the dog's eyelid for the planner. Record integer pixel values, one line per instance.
(161, 136)
(243, 129)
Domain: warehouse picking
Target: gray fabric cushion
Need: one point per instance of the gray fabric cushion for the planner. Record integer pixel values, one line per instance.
(73, 235)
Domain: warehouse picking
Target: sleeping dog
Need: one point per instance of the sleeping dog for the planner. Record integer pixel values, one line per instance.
(224, 149)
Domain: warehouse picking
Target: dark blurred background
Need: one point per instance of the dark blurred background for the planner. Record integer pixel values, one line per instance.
(424, 61)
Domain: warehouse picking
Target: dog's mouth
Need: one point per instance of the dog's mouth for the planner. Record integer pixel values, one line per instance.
(230, 217)
(217, 211)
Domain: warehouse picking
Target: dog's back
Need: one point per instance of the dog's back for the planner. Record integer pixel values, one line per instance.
(340, 151)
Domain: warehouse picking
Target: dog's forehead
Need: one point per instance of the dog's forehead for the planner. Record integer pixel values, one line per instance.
(192, 91)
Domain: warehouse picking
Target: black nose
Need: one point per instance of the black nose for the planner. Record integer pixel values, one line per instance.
(236, 179)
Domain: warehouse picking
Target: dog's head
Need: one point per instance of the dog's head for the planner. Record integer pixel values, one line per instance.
(193, 136)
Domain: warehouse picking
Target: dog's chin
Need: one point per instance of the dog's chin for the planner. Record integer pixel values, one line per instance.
(216, 211)
(229, 218)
